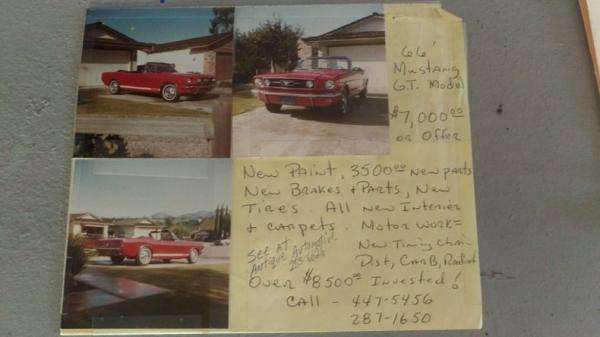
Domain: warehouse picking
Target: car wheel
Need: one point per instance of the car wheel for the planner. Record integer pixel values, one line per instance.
(169, 92)
(275, 108)
(193, 257)
(341, 108)
(114, 87)
(117, 259)
(144, 256)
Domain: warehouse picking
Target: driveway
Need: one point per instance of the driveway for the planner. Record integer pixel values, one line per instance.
(303, 132)
(204, 103)
(101, 102)
(195, 296)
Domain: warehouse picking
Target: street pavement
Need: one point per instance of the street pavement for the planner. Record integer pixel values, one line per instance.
(143, 125)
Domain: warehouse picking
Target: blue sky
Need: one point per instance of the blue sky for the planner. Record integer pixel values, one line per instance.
(155, 24)
(142, 187)
(314, 19)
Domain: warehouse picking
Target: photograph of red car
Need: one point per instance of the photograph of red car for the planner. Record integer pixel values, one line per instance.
(159, 244)
(148, 238)
(159, 78)
(316, 82)
(155, 83)
(310, 81)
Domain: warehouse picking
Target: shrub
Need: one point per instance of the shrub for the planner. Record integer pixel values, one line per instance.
(76, 257)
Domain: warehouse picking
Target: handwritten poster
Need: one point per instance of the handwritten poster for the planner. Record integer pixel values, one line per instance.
(370, 242)
(348, 201)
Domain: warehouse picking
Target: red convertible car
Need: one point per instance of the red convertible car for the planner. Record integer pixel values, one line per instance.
(159, 78)
(159, 244)
(316, 82)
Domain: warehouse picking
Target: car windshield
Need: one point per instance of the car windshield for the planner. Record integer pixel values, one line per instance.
(316, 63)
(167, 236)
(163, 235)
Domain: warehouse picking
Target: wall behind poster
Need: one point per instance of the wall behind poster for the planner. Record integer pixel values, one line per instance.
(535, 122)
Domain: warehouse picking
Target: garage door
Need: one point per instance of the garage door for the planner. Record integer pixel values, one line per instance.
(372, 59)
(96, 61)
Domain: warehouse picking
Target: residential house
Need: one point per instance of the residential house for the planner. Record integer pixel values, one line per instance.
(106, 49)
(210, 54)
(133, 227)
(363, 41)
(93, 227)
(88, 225)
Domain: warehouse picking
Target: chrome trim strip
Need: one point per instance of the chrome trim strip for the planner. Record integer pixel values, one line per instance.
(168, 254)
(135, 87)
(275, 93)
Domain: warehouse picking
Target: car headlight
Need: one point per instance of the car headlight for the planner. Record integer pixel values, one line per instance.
(329, 84)
(310, 84)
(267, 83)
(258, 82)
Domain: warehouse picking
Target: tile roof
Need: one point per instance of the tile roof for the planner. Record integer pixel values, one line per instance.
(122, 41)
(208, 42)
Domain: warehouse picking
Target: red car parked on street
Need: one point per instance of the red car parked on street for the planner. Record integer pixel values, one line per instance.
(159, 78)
(159, 244)
(316, 82)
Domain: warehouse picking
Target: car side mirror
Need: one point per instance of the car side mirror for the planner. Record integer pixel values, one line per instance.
(356, 69)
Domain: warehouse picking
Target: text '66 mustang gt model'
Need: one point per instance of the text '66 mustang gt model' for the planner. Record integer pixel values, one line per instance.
(159, 78)
(316, 82)
(162, 245)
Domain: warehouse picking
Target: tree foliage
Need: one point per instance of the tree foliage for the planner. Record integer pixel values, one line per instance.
(100, 146)
(76, 256)
(222, 222)
(222, 22)
(272, 46)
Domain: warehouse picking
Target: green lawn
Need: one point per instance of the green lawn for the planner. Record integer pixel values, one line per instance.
(244, 101)
(119, 107)
(199, 298)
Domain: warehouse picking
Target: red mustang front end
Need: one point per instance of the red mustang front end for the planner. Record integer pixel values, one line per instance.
(159, 78)
(316, 82)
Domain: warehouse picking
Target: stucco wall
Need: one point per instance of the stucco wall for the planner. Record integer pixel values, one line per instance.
(96, 61)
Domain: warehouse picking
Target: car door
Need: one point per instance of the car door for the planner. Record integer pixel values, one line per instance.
(171, 246)
(153, 80)
(141, 80)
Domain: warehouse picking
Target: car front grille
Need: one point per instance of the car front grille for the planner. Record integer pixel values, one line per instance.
(287, 83)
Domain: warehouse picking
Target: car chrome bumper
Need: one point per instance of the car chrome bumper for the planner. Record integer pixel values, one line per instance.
(293, 94)
(108, 251)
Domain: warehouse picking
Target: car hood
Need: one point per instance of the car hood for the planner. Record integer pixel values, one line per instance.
(305, 75)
